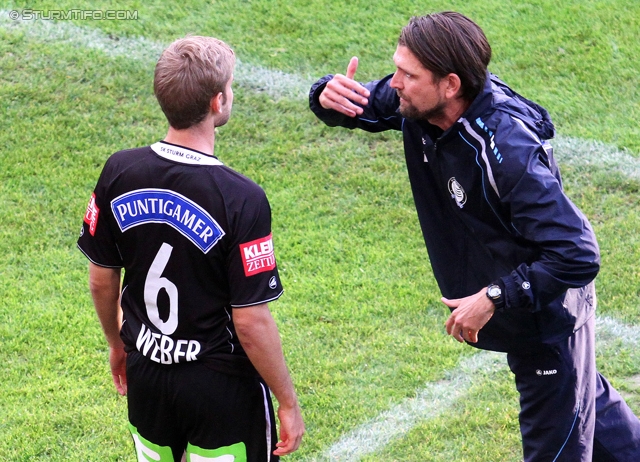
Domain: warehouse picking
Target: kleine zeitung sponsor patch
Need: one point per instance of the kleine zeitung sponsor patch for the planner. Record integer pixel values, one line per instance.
(258, 256)
(91, 215)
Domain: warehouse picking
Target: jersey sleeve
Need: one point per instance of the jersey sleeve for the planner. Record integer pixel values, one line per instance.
(252, 269)
(96, 240)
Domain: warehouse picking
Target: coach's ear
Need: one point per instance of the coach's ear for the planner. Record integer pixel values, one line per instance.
(216, 103)
(453, 85)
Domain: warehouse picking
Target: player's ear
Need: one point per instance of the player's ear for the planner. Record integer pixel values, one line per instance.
(216, 103)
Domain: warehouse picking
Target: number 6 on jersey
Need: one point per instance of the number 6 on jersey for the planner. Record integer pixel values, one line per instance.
(152, 286)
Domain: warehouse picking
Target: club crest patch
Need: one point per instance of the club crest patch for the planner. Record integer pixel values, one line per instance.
(457, 192)
(258, 256)
(91, 215)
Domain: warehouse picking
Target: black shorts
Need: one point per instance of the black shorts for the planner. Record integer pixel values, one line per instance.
(190, 407)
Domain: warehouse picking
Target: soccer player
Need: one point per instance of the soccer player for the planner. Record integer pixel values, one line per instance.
(513, 256)
(191, 338)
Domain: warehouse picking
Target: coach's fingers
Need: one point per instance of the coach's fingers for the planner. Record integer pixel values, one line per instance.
(454, 330)
(345, 96)
(452, 326)
(349, 88)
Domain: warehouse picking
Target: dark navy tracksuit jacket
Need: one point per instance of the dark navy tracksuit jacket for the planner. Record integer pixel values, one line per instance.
(491, 207)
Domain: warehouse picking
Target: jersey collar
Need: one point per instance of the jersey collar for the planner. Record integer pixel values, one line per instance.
(183, 155)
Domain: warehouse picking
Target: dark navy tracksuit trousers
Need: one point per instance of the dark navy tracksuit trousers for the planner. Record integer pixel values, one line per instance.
(568, 411)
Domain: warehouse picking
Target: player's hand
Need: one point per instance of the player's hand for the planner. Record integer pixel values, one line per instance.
(118, 363)
(291, 430)
(343, 94)
(469, 315)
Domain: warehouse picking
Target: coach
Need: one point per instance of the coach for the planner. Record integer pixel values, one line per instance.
(514, 258)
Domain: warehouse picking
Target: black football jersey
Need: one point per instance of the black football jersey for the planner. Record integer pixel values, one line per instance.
(194, 239)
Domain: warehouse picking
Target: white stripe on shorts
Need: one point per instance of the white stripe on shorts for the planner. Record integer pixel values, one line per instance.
(267, 417)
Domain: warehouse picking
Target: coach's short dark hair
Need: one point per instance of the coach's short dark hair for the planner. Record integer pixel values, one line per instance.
(450, 43)
(188, 74)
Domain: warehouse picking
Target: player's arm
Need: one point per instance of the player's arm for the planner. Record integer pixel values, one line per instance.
(104, 284)
(258, 334)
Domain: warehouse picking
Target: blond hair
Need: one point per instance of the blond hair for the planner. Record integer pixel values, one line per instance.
(190, 72)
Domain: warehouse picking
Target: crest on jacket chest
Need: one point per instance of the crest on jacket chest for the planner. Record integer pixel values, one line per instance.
(457, 192)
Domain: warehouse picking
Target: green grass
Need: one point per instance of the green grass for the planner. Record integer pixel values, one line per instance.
(361, 320)
(487, 413)
(575, 57)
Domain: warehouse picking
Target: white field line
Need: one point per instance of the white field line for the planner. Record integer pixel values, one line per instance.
(597, 155)
(435, 398)
(276, 84)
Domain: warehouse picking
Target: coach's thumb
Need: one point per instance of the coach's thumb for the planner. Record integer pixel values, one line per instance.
(352, 67)
(451, 303)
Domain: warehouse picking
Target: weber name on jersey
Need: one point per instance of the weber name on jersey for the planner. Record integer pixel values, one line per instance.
(194, 238)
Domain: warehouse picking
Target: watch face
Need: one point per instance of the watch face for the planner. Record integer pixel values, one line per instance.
(494, 292)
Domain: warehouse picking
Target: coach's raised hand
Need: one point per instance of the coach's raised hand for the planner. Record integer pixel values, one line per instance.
(343, 94)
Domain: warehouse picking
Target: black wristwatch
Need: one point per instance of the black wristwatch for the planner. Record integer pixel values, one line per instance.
(494, 293)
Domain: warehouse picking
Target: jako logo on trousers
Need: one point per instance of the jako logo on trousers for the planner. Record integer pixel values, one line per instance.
(549, 372)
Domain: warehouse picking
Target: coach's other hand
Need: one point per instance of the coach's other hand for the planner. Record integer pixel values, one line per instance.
(469, 315)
